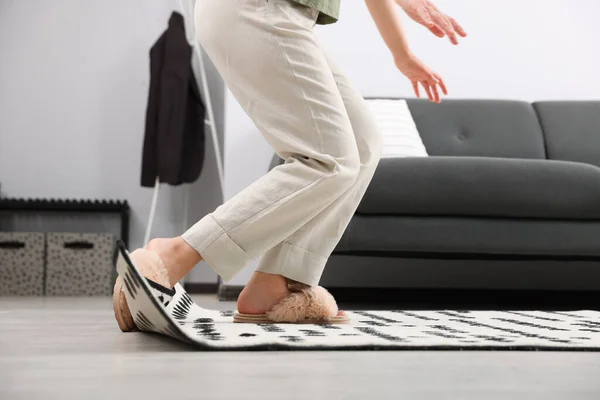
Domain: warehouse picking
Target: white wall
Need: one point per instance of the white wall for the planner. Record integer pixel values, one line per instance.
(74, 79)
(516, 49)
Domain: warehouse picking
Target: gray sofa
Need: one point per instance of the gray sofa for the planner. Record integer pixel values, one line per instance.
(508, 199)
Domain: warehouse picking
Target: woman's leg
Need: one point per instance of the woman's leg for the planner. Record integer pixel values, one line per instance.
(269, 59)
(302, 256)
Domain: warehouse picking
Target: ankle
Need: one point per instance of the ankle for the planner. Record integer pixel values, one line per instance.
(178, 257)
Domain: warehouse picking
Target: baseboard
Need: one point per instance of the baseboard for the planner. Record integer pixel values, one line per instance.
(229, 292)
(201, 288)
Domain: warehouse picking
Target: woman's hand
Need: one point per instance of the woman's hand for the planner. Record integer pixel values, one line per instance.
(427, 14)
(420, 74)
(386, 16)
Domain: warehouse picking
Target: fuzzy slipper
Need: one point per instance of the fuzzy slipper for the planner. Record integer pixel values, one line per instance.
(152, 267)
(305, 305)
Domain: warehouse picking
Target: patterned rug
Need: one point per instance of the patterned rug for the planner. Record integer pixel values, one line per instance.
(206, 329)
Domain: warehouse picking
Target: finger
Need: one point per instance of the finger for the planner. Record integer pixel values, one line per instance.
(453, 38)
(427, 90)
(443, 22)
(437, 31)
(450, 31)
(442, 84)
(459, 29)
(447, 24)
(436, 94)
(416, 88)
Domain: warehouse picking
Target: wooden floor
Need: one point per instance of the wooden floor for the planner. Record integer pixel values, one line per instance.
(72, 349)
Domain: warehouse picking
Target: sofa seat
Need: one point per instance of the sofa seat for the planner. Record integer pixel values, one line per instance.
(391, 236)
(484, 187)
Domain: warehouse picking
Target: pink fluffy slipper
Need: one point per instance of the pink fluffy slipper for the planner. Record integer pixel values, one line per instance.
(150, 266)
(305, 305)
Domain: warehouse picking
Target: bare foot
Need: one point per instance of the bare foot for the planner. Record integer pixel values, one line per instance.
(261, 293)
(178, 256)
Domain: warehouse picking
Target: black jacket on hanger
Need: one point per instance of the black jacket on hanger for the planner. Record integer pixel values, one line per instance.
(174, 134)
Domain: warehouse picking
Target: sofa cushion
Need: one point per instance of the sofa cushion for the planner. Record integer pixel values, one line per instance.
(478, 186)
(571, 130)
(481, 128)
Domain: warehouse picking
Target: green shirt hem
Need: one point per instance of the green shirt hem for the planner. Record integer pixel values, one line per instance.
(329, 10)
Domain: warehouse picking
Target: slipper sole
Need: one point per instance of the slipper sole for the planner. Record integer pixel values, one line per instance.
(123, 325)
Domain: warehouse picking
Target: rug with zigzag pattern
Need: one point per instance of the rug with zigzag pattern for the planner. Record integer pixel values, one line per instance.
(182, 319)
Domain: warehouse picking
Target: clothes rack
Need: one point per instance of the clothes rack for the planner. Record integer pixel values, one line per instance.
(210, 122)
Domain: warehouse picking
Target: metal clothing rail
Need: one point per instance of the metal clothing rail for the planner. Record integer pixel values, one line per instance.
(210, 121)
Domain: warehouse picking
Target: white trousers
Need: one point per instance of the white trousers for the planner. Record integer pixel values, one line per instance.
(314, 119)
